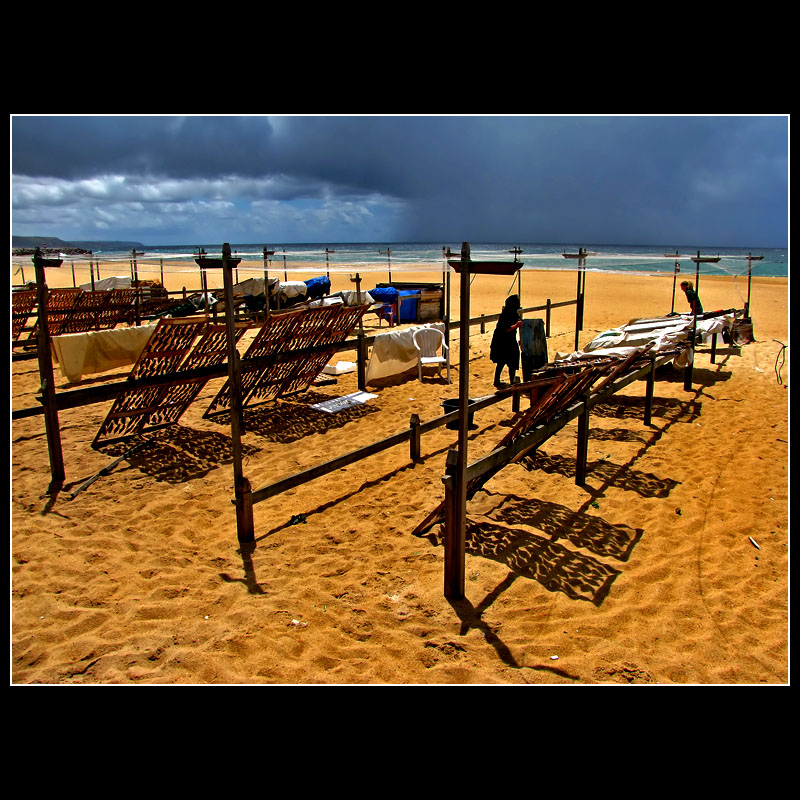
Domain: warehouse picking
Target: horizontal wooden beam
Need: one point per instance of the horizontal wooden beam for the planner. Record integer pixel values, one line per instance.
(329, 466)
(75, 398)
(503, 455)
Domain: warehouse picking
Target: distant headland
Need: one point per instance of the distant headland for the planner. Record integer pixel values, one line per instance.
(26, 245)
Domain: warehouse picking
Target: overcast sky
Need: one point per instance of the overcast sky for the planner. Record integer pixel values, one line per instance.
(671, 180)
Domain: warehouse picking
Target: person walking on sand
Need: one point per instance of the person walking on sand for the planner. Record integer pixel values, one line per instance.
(504, 349)
(692, 298)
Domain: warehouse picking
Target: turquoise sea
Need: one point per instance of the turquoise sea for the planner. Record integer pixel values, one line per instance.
(378, 256)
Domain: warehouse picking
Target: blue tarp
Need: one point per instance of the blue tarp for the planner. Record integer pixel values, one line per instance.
(407, 312)
(384, 294)
(318, 287)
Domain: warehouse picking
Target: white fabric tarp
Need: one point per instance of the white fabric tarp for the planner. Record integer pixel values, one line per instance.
(393, 352)
(292, 288)
(664, 332)
(341, 403)
(86, 353)
(117, 282)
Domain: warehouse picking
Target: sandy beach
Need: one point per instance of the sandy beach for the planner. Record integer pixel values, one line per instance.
(670, 566)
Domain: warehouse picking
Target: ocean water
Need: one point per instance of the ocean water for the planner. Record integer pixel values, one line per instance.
(400, 256)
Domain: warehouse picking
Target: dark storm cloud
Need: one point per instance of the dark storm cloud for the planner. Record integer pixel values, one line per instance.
(177, 147)
(594, 179)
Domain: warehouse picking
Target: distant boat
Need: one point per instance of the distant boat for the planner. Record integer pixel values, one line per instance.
(577, 255)
(707, 259)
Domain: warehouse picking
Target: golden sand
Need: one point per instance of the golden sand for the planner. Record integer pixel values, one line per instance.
(648, 574)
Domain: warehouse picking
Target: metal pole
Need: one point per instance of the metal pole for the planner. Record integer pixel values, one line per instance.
(749, 280)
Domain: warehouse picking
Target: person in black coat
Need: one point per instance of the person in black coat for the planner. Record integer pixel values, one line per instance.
(692, 298)
(504, 350)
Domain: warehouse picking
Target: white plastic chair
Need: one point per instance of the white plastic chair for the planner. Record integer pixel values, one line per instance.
(428, 341)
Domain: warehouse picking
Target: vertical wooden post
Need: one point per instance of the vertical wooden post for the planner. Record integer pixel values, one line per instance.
(327, 265)
(749, 281)
(362, 362)
(583, 443)
(674, 282)
(243, 493)
(579, 301)
(583, 285)
(362, 346)
(91, 272)
(162, 272)
(267, 254)
(713, 348)
(137, 300)
(455, 552)
(547, 313)
(447, 313)
(687, 375)
(515, 398)
(74, 284)
(416, 438)
(648, 398)
(46, 372)
(454, 541)
(443, 306)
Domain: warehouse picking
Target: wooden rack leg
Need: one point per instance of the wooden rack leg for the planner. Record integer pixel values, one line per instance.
(51, 424)
(416, 438)
(648, 399)
(454, 527)
(583, 444)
